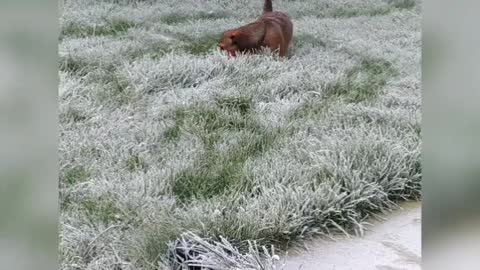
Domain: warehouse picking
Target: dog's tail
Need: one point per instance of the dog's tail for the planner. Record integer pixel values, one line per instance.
(267, 6)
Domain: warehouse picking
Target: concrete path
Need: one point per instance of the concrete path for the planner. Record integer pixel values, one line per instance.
(394, 244)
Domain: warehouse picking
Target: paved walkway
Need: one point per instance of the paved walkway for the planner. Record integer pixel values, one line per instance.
(394, 244)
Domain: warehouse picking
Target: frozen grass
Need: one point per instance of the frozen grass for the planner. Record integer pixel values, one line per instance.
(171, 152)
(193, 251)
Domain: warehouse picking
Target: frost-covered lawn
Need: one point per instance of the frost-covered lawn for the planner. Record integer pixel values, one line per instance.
(160, 134)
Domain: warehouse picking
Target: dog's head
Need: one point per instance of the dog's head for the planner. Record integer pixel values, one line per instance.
(228, 42)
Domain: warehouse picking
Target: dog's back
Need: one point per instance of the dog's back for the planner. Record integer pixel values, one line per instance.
(280, 19)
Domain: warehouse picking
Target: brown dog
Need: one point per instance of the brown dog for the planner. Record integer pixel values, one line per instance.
(273, 30)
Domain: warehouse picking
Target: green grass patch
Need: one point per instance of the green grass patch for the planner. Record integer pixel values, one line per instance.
(91, 152)
(325, 10)
(212, 120)
(313, 108)
(172, 133)
(362, 82)
(305, 39)
(402, 4)
(177, 18)
(417, 128)
(155, 50)
(217, 173)
(72, 115)
(200, 45)
(211, 15)
(154, 243)
(65, 200)
(120, 91)
(77, 174)
(135, 163)
(112, 28)
(239, 104)
(343, 12)
(378, 12)
(113, 87)
(74, 65)
(80, 66)
(209, 121)
(103, 211)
